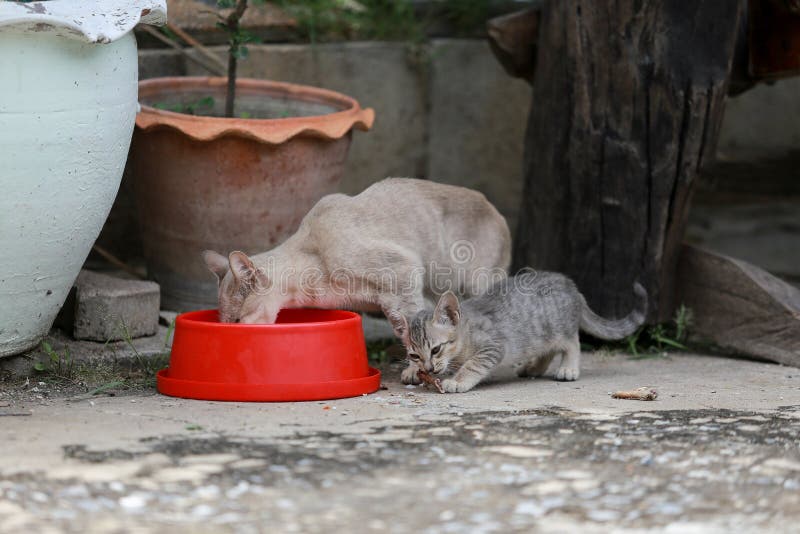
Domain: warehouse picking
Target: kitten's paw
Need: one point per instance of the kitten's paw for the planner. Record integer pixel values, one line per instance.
(568, 373)
(409, 375)
(451, 385)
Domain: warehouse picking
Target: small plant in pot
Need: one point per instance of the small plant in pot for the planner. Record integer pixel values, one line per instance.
(206, 178)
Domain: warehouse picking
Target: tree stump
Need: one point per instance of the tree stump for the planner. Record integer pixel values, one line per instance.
(627, 103)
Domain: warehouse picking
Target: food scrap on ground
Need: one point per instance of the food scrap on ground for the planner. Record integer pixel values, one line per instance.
(428, 379)
(642, 394)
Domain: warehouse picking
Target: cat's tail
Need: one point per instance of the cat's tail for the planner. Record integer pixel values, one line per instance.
(593, 324)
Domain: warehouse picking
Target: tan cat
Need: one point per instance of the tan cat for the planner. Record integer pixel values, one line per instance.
(391, 246)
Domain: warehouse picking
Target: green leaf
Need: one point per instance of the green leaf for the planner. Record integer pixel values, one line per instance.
(206, 102)
(240, 52)
(171, 34)
(39, 366)
(106, 387)
(672, 343)
(171, 327)
(244, 36)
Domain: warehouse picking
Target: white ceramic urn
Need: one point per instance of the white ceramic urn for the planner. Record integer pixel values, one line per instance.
(68, 100)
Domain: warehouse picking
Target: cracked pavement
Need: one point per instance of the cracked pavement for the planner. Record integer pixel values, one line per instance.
(718, 451)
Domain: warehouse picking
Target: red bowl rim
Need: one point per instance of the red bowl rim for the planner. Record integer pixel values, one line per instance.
(249, 392)
(189, 320)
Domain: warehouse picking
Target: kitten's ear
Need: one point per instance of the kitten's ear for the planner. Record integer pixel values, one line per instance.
(216, 263)
(448, 311)
(399, 324)
(241, 266)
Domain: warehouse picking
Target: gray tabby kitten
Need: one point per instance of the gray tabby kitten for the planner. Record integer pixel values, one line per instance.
(522, 322)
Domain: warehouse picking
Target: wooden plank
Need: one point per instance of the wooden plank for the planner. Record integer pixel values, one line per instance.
(740, 307)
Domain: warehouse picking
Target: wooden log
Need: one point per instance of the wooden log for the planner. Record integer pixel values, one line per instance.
(627, 105)
(767, 45)
(513, 38)
(740, 307)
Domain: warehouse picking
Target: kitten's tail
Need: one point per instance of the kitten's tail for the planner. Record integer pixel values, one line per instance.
(597, 326)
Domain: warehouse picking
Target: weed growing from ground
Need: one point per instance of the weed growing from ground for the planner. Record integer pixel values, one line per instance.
(150, 364)
(655, 341)
(377, 352)
(58, 365)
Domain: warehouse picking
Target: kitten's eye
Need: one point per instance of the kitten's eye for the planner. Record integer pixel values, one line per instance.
(435, 350)
(414, 357)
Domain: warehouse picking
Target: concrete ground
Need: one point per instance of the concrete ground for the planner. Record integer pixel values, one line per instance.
(717, 451)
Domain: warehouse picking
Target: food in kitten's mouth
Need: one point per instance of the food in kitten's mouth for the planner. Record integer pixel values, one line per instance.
(642, 394)
(428, 379)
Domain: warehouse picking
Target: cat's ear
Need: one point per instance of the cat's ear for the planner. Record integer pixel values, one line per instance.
(245, 271)
(216, 263)
(399, 324)
(448, 311)
(241, 266)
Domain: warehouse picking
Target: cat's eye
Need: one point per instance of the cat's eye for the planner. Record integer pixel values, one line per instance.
(414, 357)
(435, 350)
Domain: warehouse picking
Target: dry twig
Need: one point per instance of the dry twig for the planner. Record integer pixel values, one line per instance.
(642, 394)
(212, 68)
(197, 45)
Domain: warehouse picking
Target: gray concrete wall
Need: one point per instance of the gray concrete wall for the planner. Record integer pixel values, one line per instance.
(762, 122)
(476, 123)
(447, 112)
(383, 76)
(444, 111)
(748, 205)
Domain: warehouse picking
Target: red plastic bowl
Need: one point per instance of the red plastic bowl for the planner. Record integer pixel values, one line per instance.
(306, 355)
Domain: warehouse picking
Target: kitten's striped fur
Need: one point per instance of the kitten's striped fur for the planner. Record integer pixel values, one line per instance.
(523, 321)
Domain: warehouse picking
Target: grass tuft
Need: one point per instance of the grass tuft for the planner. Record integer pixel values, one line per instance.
(656, 341)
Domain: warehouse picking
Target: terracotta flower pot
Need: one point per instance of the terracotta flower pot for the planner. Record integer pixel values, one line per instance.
(204, 182)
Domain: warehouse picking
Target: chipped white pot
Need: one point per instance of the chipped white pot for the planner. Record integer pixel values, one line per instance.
(68, 101)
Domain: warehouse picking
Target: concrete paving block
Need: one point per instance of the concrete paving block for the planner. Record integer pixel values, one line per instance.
(387, 77)
(106, 307)
(477, 121)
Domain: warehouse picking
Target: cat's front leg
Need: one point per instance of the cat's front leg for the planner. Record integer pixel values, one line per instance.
(570, 368)
(409, 374)
(472, 372)
(406, 298)
(452, 385)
